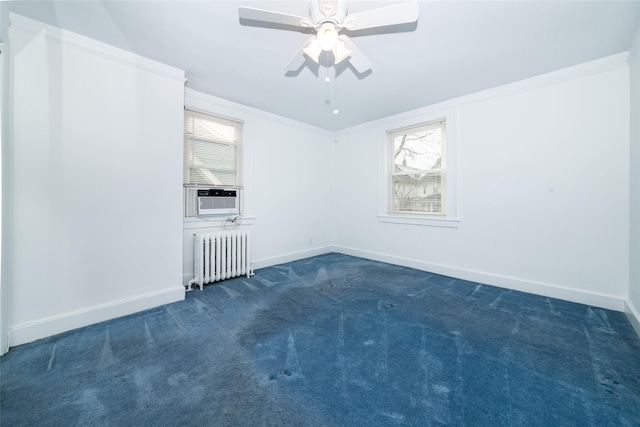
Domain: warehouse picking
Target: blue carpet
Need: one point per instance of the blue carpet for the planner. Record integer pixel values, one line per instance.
(335, 341)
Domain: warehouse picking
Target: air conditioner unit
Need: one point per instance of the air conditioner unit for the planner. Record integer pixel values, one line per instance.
(212, 201)
(218, 202)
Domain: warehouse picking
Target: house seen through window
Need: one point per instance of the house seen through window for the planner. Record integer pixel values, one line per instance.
(417, 169)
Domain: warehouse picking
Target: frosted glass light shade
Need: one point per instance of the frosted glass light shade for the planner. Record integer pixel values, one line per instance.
(327, 37)
(340, 53)
(313, 50)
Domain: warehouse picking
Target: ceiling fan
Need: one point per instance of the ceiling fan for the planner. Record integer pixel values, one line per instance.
(327, 18)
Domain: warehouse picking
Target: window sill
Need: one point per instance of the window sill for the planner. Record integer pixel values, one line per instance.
(420, 220)
(195, 223)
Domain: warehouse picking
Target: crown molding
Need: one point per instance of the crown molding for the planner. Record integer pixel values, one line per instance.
(57, 35)
(598, 66)
(192, 94)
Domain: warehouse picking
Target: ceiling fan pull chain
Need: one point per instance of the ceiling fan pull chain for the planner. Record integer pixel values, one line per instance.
(326, 65)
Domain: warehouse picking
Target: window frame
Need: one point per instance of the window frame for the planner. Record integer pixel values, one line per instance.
(391, 135)
(238, 143)
(207, 104)
(399, 123)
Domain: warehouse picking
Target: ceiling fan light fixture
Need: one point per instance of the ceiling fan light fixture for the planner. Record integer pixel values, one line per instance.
(340, 53)
(328, 18)
(312, 50)
(327, 36)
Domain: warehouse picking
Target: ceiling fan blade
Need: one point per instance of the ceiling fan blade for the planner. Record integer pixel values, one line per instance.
(384, 16)
(299, 59)
(273, 17)
(357, 59)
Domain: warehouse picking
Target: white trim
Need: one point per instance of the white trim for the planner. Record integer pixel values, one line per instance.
(236, 108)
(93, 47)
(544, 289)
(633, 315)
(586, 69)
(292, 256)
(209, 104)
(418, 220)
(451, 219)
(593, 299)
(634, 48)
(43, 328)
(217, 222)
(632, 312)
(602, 65)
(4, 283)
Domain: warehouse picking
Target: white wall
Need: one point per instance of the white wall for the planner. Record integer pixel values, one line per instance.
(543, 186)
(288, 183)
(633, 305)
(4, 334)
(95, 182)
(293, 187)
(542, 189)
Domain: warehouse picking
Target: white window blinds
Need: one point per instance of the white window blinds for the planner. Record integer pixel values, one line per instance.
(211, 150)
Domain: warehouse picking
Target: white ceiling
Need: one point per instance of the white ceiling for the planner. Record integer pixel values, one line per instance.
(456, 48)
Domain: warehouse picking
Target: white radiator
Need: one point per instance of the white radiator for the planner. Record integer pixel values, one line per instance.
(221, 255)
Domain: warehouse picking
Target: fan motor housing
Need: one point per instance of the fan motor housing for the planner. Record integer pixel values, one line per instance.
(318, 16)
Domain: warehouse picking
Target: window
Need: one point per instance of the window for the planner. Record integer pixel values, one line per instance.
(211, 150)
(418, 169)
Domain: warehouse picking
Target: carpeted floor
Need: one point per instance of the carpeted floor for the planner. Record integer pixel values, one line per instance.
(335, 341)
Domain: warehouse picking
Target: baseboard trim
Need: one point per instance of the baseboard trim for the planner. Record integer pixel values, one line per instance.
(292, 256)
(43, 328)
(538, 288)
(633, 315)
